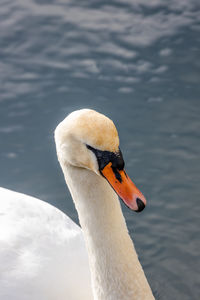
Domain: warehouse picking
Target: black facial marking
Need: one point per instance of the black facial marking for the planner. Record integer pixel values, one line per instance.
(104, 157)
(117, 174)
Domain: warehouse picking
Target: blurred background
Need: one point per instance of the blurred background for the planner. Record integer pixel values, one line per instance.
(136, 61)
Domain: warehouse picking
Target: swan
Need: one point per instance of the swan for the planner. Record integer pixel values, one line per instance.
(44, 255)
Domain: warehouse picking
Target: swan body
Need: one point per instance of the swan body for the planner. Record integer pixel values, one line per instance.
(45, 253)
(42, 252)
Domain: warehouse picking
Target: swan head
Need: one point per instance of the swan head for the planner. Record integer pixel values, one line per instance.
(88, 139)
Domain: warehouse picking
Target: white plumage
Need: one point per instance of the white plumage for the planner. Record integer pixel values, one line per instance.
(42, 252)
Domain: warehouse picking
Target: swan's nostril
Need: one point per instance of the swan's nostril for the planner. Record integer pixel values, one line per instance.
(140, 205)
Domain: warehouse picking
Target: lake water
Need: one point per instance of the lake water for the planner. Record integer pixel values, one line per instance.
(138, 62)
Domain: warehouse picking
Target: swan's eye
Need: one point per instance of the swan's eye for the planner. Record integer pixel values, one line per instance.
(105, 157)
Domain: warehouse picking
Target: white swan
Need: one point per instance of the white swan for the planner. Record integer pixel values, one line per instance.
(42, 251)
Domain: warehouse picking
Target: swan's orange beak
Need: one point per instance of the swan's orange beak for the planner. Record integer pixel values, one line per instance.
(124, 187)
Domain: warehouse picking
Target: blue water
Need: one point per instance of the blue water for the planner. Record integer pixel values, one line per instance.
(136, 61)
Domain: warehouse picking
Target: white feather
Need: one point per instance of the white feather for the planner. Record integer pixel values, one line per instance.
(42, 252)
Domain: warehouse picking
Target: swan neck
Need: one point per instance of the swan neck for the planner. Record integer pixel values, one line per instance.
(115, 269)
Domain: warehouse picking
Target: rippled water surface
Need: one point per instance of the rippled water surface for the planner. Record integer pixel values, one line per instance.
(136, 61)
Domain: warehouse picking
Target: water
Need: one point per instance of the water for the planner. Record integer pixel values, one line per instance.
(137, 62)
